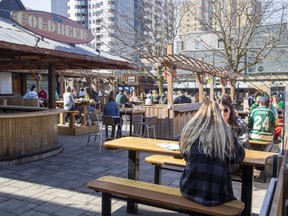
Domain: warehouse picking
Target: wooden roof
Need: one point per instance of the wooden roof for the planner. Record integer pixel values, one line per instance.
(19, 50)
(95, 73)
(191, 64)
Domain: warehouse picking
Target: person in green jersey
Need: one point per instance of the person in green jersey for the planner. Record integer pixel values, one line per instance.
(260, 122)
(280, 103)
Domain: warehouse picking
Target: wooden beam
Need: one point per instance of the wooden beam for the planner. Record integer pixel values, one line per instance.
(51, 86)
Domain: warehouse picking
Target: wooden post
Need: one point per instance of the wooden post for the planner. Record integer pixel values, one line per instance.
(61, 84)
(51, 86)
(212, 89)
(200, 87)
(232, 89)
(223, 87)
(169, 77)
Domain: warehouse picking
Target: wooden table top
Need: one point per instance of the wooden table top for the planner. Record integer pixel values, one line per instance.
(252, 157)
(140, 144)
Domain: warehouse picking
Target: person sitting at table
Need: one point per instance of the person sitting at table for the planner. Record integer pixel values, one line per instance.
(234, 122)
(209, 148)
(260, 122)
(134, 97)
(121, 98)
(69, 103)
(111, 108)
(42, 95)
(32, 94)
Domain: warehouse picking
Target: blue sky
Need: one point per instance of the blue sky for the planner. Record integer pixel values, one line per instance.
(42, 5)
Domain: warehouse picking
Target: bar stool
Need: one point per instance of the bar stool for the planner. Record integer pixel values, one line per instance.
(148, 123)
(136, 120)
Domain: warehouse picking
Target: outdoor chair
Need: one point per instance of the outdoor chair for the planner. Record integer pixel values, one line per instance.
(95, 127)
(113, 121)
(136, 121)
(148, 123)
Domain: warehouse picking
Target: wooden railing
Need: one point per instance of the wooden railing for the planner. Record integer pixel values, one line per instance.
(18, 101)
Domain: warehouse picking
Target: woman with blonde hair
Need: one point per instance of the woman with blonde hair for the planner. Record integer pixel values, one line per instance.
(209, 148)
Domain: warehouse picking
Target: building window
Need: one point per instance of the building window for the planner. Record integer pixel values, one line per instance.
(252, 69)
(197, 45)
(220, 44)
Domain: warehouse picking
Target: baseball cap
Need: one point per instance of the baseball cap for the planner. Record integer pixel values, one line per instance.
(264, 100)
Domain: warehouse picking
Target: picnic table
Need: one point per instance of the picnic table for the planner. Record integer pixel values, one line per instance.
(84, 106)
(135, 145)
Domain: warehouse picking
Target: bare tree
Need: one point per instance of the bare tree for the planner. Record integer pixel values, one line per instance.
(146, 31)
(244, 28)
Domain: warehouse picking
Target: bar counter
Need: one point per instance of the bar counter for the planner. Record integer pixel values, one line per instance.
(27, 136)
(170, 119)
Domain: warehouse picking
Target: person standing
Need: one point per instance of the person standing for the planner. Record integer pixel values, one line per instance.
(251, 100)
(155, 97)
(209, 148)
(181, 98)
(121, 98)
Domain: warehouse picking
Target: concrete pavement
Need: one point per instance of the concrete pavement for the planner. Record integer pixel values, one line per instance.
(57, 185)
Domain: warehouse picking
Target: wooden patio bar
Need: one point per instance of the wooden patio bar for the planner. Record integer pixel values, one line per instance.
(29, 132)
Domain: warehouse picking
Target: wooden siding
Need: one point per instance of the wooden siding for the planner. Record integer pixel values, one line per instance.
(24, 134)
(170, 120)
(16, 101)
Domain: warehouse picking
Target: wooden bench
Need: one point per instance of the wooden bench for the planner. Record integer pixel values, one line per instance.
(165, 162)
(262, 145)
(156, 195)
(159, 161)
(71, 117)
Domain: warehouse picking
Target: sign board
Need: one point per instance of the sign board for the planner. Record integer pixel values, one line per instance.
(52, 26)
(131, 79)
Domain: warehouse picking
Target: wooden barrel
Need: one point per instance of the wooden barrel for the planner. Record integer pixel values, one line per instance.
(27, 136)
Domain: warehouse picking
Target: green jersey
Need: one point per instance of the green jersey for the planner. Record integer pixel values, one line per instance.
(260, 122)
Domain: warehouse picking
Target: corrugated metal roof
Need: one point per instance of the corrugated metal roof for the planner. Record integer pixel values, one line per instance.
(19, 50)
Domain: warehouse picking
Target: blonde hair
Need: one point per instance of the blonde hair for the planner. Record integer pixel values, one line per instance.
(215, 137)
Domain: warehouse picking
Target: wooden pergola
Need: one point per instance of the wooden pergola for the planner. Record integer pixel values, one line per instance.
(202, 69)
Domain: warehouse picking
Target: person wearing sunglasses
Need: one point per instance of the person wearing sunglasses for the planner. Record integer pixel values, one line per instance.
(236, 123)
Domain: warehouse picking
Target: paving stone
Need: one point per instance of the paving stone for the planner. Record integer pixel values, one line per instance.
(24, 208)
(58, 185)
(12, 204)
